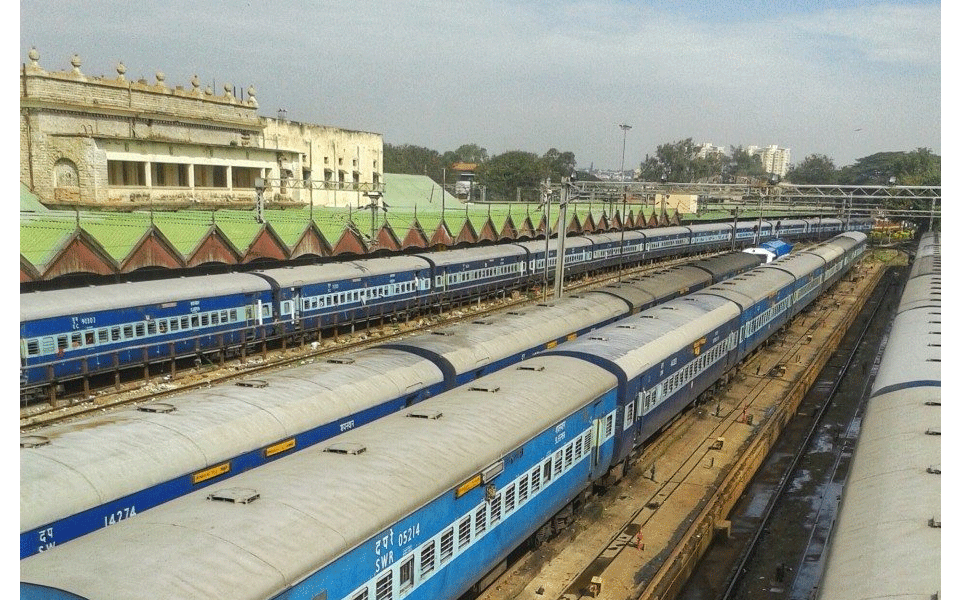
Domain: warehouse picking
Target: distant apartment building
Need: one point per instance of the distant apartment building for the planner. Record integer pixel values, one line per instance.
(708, 149)
(112, 142)
(775, 160)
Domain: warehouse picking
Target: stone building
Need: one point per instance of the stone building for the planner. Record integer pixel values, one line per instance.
(121, 144)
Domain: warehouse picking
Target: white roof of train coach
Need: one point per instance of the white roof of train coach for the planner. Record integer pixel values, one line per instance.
(83, 300)
(313, 506)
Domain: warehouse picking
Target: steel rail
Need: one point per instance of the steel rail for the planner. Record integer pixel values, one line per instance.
(737, 573)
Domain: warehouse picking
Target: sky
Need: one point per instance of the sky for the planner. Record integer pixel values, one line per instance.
(844, 78)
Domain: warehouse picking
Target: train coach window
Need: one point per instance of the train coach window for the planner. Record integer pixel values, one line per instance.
(480, 520)
(558, 462)
(361, 595)
(89, 338)
(214, 318)
(184, 323)
(535, 481)
(463, 533)
(522, 490)
(426, 559)
(141, 329)
(495, 510)
(194, 321)
(446, 546)
(33, 347)
(629, 415)
(568, 454)
(406, 576)
(75, 340)
(204, 319)
(152, 328)
(385, 586)
(103, 335)
(115, 334)
(174, 324)
(508, 499)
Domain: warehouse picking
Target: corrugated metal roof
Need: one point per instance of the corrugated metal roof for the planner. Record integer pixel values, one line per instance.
(41, 241)
(29, 202)
(117, 238)
(407, 191)
(411, 200)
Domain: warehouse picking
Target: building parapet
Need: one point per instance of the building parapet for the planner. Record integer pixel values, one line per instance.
(111, 142)
(80, 92)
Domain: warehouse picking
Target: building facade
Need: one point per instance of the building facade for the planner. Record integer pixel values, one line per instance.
(708, 149)
(775, 160)
(100, 142)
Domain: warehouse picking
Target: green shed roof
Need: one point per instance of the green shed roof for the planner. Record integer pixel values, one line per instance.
(29, 202)
(407, 191)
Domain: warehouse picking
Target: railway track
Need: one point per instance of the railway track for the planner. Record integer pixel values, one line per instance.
(830, 416)
(630, 535)
(42, 415)
(619, 522)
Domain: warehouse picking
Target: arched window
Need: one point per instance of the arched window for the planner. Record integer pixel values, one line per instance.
(65, 174)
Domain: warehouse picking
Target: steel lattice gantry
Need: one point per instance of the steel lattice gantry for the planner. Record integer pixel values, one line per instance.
(892, 202)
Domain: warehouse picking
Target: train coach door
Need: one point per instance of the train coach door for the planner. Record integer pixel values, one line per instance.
(441, 283)
(596, 440)
(295, 316)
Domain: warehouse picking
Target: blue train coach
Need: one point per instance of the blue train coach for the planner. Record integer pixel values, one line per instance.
(131, 323)
(461, 480)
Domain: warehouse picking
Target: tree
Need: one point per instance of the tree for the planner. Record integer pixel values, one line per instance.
(814, 169)
(413, 160)
(744, 164)
(468, 153)
(681, 162)
(506, 172)
(556, 165)
(672, 162)
(918, 167)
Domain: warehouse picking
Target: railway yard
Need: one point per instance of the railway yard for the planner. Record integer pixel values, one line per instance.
(645, 536)
(705, 508)
(263, 358)
(331, 343)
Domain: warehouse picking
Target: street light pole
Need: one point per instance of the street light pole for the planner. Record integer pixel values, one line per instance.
(623, 153)
(561, 238)
(546, 246)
